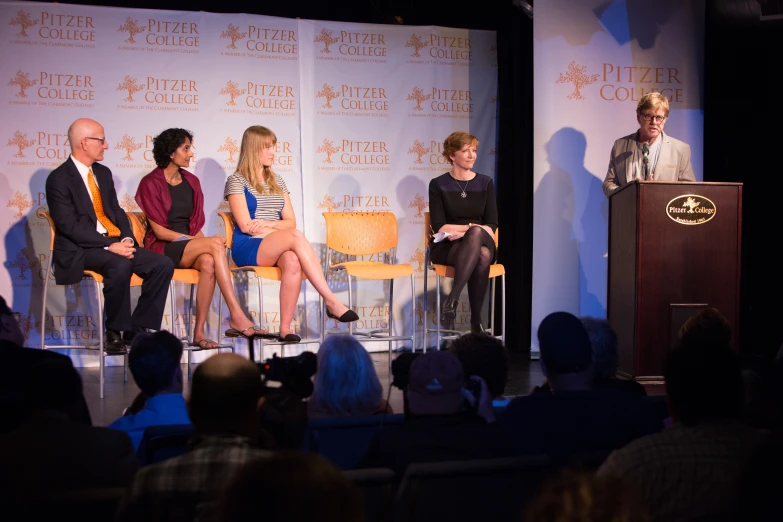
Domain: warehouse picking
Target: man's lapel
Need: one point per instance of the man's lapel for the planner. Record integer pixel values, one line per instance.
(630, 175)
(80, 191)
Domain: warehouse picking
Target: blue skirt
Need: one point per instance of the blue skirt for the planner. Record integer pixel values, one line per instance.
(244, 249)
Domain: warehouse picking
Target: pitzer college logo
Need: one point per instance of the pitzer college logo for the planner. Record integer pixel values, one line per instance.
(419, 204)
(131, 86)
(329, 203)
(230, 147)
(20, 141)
(442, 103)
(23, 81)
(21, 203)
(128, 144)
(67, 30)
(419, 149)
(429, 156)
(352, 46)
(576, 75)
(24, 21)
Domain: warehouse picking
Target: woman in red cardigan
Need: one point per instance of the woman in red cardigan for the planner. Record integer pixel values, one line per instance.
(172, 200)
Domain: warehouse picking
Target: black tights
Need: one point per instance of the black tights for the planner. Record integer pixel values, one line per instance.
(471, 258)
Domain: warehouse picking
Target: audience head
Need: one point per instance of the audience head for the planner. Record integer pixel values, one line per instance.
(166, 143)
(566, 354)
(435, 384)
(703, 383)
(226, 396)
(154, 362)
(484, 356)
(346, 383)
(455, 142)
(9, 327)
(50, 385)
(603, 341)
(291, 487)
(578, 496)
(255, 159)
(707, 326)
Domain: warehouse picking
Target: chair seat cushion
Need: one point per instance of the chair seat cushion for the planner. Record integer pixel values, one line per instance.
(374, 269)
(135, 280)
(448, 271)
(186, 275)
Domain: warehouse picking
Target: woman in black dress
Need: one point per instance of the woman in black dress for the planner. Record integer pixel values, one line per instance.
(173, 202)
(462, 204)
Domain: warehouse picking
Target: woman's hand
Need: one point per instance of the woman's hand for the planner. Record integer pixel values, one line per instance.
(256, 226)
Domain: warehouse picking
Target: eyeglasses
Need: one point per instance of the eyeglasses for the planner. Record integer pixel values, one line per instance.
(102, 140)
(650, 117)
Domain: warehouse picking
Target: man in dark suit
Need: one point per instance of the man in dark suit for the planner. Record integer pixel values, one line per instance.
(93, 233)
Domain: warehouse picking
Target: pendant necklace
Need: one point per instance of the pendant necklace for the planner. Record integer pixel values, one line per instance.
(462, 194)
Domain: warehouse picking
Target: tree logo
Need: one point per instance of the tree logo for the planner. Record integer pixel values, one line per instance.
(417, 43)
(419, 96)
(24, 21)
(329, 93)
(26, 324)
(23, 264)
(20, 202)
(420, 311)
(23, 81)
(20, 141)
(229, 146)
(576, 75)
(419, 150)
(128, 144)
(329, 203)
(224, 206)
(418, 257)
(131, 86)
(232, 89)
(233, 33)
(419, 204)
(326, 38)
(131, 27)
(128, 203)
(327, 148)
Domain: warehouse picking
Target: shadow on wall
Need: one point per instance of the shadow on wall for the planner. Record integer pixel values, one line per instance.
(570, 217)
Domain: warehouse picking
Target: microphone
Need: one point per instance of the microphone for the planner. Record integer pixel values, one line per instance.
(646, 160)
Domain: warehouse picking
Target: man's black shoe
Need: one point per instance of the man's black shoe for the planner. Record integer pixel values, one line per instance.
(128, 335)
(113, 343)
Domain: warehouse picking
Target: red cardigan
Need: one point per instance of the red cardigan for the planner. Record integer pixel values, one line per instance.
(154, 199)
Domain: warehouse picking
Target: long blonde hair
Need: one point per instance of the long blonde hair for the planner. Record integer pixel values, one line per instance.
(249, 165)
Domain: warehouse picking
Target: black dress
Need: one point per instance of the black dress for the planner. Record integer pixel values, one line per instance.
(179, 219)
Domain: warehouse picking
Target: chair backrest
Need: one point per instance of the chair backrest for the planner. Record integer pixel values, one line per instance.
(361, 233)
(345, 440)
(428, 232)
(163, 442)
(139, 224)
(43, 214)
(377, 487)
(229, 224)
(488, 489)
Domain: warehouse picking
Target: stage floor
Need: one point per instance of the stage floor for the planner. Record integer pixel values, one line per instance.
(524, 374)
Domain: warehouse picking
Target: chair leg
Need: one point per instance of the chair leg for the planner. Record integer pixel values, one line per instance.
(413, 312)
(491, 306)
(437, 312)
(425, 313)
(350, 303)
(390, 319)
(43, 305)
(101, 347)
(502, 309)
(261, 320)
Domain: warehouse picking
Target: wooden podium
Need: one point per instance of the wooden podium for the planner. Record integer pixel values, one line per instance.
(674, 248)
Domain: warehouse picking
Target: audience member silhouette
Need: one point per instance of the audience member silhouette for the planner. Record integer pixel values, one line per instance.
(291, 487)
(154, 362)
(53, 449)
(574, 419)
(606, 356)
(692, 469)
(346, 383)
(439, 424)
(485, 357)
(224, 404)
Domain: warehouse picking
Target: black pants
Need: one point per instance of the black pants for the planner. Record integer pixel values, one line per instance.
(155, 269)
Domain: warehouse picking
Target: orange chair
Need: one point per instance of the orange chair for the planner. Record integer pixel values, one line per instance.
(361, 234)
(495, 271)
(271, 273)
(97, 280)
(188, 276)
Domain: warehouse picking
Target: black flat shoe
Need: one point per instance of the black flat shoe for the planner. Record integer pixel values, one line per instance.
(113, 343)
(348, 317)
(289, 338)
(448, 311)
(128, 335)
(477, 328)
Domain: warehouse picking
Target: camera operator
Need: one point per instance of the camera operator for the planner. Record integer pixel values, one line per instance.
(444, 421)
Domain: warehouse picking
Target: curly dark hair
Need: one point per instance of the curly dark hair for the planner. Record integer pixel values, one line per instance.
(165, 143)
(152, 360)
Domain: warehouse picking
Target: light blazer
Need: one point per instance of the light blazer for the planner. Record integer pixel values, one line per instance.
(674, 162)
(74, 218)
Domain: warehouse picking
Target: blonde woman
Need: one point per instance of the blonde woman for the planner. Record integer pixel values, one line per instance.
(266, 234)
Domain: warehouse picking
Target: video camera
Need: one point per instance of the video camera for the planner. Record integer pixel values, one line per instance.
(293, 373)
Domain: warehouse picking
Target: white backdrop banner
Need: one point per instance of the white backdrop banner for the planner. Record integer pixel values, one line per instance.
(360, 112)
(593, 62)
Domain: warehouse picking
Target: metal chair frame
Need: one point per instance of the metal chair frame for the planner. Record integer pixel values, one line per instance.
(97, 280)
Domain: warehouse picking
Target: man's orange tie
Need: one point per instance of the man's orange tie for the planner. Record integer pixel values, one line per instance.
(97, 203)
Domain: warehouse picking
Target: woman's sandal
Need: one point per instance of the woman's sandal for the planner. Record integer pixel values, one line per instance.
(249, 333)
(204, 344)
(289, 338)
